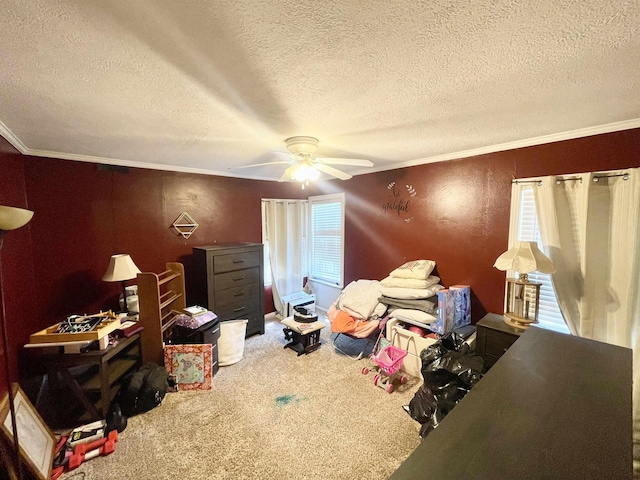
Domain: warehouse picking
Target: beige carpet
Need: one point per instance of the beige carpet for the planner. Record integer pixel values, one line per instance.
(272, 415)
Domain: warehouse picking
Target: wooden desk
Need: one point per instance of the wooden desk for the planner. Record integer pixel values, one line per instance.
(110, 366)
(553, 407)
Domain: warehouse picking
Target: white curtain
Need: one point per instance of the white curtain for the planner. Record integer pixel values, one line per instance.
(284, 226)
(590, 227)
(590, 223)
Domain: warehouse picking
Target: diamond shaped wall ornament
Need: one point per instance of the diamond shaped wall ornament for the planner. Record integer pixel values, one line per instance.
(185, 225)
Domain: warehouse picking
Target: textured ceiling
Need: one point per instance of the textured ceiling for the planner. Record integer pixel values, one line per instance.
(205, 86)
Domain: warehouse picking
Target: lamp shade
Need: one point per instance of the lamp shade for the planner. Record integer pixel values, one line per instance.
(12, 217)
(525, 257)
(121, 267)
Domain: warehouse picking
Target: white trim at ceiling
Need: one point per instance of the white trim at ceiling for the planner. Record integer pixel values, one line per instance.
(529, 142)
(12, 139)
(501, 147)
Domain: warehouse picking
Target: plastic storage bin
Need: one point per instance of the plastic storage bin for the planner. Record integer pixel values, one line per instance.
(231, 341)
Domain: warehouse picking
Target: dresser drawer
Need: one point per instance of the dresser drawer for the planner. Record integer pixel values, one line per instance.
(235, 295)
(238, 309)
(256, 323)
(497, 343)
(237, 278)
(235, 261)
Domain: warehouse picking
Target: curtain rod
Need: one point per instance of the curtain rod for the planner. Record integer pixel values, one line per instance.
(560, 180)
(539, 182)
(625, 176)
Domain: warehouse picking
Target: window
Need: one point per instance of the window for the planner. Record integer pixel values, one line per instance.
(326, 250)
(549, 314)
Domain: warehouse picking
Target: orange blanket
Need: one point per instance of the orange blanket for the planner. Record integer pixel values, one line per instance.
(342, 322)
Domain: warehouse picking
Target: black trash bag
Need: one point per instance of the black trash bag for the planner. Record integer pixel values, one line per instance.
(449, 370)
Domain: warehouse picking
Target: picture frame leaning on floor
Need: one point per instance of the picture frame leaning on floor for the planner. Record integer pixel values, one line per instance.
(37, 442)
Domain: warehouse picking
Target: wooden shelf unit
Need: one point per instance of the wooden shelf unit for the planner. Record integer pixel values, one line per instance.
(161, 297)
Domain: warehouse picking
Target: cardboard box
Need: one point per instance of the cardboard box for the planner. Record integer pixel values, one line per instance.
(461, 305)
(444, 324)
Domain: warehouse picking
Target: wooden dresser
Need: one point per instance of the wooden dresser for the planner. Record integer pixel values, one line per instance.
(234, 277)
(554, 406)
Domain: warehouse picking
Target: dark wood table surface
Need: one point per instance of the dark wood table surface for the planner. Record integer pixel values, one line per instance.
(554, 406)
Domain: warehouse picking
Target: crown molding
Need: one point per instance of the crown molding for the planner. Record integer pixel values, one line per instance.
(529, 142)
(125, 163)
(12, 139)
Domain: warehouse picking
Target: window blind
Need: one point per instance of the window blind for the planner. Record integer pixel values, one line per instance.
(549, 314)
(326, 241)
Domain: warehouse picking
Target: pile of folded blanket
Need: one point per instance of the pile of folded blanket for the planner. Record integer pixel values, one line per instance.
(410, 292)
(358, 309)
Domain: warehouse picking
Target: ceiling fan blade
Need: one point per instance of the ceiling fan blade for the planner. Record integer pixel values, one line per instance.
(283, 155)
(257, 165)
(345, 161)
(332, 171)
(286, 176)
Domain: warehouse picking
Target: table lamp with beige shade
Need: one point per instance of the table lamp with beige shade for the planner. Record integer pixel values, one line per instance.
(121, 268)
(522, 297)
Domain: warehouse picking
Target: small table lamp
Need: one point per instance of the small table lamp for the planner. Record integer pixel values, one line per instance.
(522, 296)
(121, 268)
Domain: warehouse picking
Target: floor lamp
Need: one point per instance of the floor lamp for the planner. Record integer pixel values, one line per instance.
(11, 218)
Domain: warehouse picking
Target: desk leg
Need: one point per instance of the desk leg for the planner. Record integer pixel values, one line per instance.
(105, 397)
(75, 387)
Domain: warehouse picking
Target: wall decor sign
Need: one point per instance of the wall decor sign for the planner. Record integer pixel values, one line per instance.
(185, 224)
(399, 200)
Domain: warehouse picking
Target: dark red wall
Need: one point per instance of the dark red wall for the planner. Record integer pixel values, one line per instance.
(83, 215)
(459, 218)
(88, 214)
(18, 300)
(460, 213)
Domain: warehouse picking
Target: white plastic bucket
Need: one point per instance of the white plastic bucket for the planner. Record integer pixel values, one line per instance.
(231, 341)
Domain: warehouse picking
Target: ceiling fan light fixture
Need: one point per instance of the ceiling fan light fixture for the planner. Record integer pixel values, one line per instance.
(305, 173)
(305, 166)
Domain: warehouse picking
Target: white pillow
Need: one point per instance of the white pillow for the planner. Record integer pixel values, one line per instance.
(409, 282)
(415, 315)
(419, 269)
(411, 293)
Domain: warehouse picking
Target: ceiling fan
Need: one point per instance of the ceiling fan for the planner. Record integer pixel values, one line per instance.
(305, 166)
